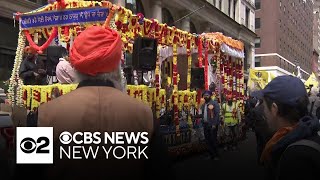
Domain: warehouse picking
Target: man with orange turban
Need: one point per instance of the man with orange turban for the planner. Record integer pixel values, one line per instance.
(100, 104)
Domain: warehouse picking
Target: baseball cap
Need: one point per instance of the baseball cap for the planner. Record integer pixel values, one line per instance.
(284, 89)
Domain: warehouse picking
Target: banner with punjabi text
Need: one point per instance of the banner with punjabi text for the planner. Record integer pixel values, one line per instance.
(63, 17)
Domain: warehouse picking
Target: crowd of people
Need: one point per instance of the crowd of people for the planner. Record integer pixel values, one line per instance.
(285, 119)
(286, 129)
(285, 122)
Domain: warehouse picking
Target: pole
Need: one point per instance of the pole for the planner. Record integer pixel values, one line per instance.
(189, 14)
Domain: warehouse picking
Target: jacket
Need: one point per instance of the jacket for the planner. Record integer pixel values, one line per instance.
(65, 72)
(93, 107)
(27, 70)
(296, 162)
(213, 119)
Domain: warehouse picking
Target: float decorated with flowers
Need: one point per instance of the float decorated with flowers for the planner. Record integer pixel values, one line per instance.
(63, 20)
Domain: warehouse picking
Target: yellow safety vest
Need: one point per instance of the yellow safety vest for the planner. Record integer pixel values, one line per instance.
(229, 120)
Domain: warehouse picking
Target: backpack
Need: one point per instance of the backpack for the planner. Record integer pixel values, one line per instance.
(318, 113)
(305, 142)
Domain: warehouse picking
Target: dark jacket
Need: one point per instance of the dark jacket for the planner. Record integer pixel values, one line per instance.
(257, 121)
(28, 68)
(297, 162)
(216, 113)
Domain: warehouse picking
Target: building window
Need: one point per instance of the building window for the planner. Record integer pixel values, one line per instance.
(192, 28)
(258, 4)
(220, 4)
(257, 23)
(247, 16)
(257, 43)
(257, 62)
(229, 7)
(167, 17)
(235, 2)
(135, 6)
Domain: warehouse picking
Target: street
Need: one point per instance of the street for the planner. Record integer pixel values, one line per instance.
(240, 164)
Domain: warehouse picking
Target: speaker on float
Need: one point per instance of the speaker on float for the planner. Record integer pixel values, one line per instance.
(144, 54)
(53, 55)
(197, 78)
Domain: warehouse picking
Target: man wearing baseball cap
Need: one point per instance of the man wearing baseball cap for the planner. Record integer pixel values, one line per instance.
(293, 152)
(101, 104)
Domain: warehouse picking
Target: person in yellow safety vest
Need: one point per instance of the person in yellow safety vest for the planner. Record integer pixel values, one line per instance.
(231, 121)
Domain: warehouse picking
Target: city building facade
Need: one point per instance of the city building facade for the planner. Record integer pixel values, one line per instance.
(285, 37)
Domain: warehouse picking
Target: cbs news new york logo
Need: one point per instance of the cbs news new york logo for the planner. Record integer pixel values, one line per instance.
(34, 145)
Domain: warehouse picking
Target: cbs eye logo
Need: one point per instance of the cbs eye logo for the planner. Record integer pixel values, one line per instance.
(29, 145)
(65, 137)
(34, 145)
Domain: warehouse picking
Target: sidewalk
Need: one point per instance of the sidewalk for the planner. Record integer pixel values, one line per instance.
(241, 164)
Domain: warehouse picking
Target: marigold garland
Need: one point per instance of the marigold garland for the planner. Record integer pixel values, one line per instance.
(33, 96)
(15, 86)
(175, 88)
(157, 83)
(45, 45)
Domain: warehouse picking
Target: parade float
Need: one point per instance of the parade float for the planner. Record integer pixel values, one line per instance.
(63, 20)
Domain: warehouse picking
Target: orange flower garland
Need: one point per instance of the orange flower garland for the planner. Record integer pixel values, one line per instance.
(45, 45)
(175, 88)
(157, 72)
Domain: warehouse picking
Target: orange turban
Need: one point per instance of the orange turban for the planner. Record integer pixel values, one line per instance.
(96, 50)
(229, 97)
